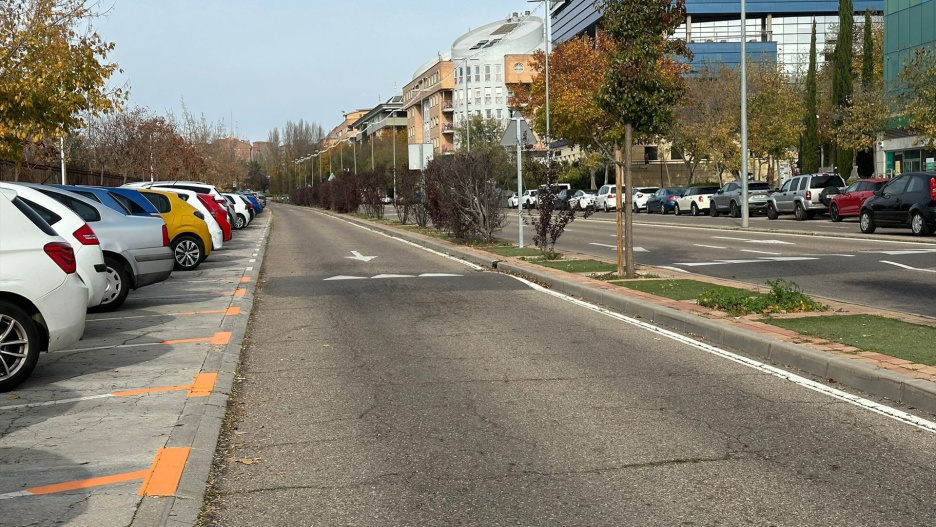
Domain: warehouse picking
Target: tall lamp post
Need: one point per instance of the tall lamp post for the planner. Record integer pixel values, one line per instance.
(466, 77)
(548, 18)
(745, 216)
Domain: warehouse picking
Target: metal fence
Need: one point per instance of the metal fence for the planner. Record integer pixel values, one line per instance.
(49, 174)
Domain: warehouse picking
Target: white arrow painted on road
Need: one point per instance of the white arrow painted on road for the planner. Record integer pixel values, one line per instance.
(359, 256)
(636, 249)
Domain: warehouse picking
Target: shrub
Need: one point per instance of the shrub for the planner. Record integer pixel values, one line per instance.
(784, 297)
(462, 195)
(549, 224)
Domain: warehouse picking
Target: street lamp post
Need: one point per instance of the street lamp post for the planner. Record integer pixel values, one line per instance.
(744, 136)
(548, 17)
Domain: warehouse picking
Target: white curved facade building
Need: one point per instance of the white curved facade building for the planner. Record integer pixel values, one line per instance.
(473, 79)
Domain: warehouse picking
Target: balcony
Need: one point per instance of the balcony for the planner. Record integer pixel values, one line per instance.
(447, 106)
(448, 128)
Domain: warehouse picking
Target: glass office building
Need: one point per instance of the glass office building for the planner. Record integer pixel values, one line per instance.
(779, 30)
(908, 25)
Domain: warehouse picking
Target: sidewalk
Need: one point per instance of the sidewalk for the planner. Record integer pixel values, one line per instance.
(896, 379)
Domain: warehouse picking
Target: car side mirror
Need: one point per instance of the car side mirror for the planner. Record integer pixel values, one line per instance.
(878, 193)
(720, 191)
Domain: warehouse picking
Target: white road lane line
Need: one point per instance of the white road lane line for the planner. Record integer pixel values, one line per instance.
(636, 249)
(907, 267)
(759, 260)
(867, 404)
(57, 401)
(708, 246)
(760, 252)
(746, 240)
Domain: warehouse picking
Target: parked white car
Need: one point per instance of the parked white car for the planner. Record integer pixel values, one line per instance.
(42, 299)
(582, 200)
(198, 187)
(606, 199)
(88, 255)
(640, 197)
(695, 200)
(241, 210)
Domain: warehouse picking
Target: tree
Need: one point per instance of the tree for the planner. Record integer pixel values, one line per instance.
(708, 117)
(809, 151)
(843, 77)
(641, 87)
(775, 122)
(867, 53)
(53, 71)
(485, 133)
(918, 98)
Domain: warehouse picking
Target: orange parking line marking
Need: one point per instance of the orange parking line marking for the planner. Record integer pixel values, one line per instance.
(221, 338)
(240, 292)
(246, 279)
(88, 483)
(164, 476)
(232, 312)
(212, 312)
(130, 393)
(204, 383)
(184, 341)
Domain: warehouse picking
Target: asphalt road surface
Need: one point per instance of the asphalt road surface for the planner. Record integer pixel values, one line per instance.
(410, 389)
(894, 271)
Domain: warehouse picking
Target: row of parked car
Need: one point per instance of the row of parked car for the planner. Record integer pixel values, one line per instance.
(67, 250)
(905, 201)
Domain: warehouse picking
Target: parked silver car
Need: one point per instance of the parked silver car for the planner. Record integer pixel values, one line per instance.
(805, 196)
(728, 199)
(136, 248)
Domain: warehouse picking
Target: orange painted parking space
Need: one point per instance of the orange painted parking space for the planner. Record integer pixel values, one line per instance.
(164, 476)
(201, 387)
(220, 338)
(246, 279)
(87, 483)
(232, 312)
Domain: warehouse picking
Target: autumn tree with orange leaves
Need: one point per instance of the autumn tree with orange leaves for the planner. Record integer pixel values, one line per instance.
(603, 90)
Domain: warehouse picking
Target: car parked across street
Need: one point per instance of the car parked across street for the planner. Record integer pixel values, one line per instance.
(664, 200)
(42, 299)
(849, 202)
(695, 200)
(640, 196)
(728, 199)
(606, 199)
(582, 200)
(908, 200)
(804, 196)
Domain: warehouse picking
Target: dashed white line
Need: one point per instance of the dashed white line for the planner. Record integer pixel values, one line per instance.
(907, 267)
(709, 246)
(760, 252)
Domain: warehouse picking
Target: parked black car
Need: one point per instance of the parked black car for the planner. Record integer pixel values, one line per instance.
(561, 202)
(908, 200)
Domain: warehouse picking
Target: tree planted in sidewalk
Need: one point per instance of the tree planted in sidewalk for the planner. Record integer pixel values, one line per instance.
(549, 223)
(843, 79)
(810, 147)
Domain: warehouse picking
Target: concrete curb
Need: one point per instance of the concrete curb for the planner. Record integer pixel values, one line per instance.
(199, 426)
(916, 393)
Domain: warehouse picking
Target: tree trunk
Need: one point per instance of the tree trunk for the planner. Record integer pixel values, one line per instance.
(607, 169)
(593, 183)
(619, 204)
(628, 210)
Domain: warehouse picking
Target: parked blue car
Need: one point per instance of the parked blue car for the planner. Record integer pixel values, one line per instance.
(126, 201)
(664, 200)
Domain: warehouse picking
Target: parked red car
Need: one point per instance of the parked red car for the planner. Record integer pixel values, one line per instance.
(220, 215)
(849, 202)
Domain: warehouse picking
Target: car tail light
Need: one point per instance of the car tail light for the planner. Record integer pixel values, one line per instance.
(63, 255)
(809, 195)
(165, 236)
(671, 198)
(700, 198)
(86, 236)
(933, 188)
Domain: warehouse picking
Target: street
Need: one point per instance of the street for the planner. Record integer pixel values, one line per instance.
(891, 270)
(385, 385)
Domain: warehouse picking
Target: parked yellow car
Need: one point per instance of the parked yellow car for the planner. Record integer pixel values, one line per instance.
(188, 233)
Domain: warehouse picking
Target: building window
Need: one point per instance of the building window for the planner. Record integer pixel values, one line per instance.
(487, 96)
(498, 74)
(487, 73)
(500, 113)
(519, 68)
(499, 95)
(488, 113)
(477, 73)
(478, 97)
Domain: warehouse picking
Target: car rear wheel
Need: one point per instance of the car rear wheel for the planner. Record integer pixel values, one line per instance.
(834, 213)
(772, 213)
(918, 225)
(800, 213)
(188, 251)
(19, 346)
(713, 210)
(676, 210)
(240, 222)
(734, 210)
(694, 209)
(118, 286)
(866, 222)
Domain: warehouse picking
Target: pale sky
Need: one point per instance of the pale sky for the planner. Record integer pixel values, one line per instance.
(257, 64)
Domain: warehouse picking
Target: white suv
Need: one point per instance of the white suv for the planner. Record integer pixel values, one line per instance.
(42, 299)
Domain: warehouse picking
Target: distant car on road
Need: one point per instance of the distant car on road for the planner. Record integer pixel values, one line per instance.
(664, 200)
(728, 199)
(582, 200)
(695, 200)
(849, 202)
(908, 200)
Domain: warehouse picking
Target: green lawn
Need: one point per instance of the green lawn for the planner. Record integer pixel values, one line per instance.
(869, 333)
(672, 289)
(514, 251)
(579, 266)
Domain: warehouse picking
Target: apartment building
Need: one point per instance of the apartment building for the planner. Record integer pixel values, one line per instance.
(472, 79)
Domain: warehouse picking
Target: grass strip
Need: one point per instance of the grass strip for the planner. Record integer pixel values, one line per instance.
(672, 289)
(514, 251)
(887, 336)
(578, 266)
